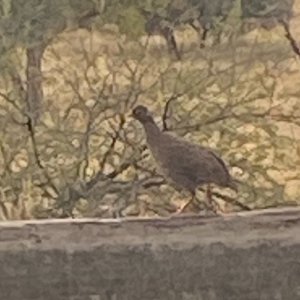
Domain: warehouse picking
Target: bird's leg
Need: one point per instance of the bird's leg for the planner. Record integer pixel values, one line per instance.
(184, 206)
(209, 199)
(208, 195)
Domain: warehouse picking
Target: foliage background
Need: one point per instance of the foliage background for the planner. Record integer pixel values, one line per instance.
(71, 71)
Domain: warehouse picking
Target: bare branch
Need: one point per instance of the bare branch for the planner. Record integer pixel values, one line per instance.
(290, 37)
(166, 109)
(113, 141)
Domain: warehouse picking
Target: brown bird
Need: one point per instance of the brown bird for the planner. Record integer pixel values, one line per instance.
(187, 165)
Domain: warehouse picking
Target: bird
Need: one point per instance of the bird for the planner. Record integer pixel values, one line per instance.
(185, 165)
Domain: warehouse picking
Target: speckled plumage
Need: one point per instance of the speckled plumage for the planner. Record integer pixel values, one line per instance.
(186, 164)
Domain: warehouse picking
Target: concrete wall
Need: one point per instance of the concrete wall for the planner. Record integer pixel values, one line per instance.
(248, 256)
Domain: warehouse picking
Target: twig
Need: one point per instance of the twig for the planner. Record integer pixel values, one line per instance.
(166, 109)
(113, 142)
(10, 101)
(290, 37)
(31, 130)
(231, 201)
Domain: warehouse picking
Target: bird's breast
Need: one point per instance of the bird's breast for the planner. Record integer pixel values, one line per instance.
(160, 157)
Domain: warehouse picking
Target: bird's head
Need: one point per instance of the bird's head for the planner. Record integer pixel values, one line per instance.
(142, 114)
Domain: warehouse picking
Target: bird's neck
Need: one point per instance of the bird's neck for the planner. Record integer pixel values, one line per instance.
(152, 131)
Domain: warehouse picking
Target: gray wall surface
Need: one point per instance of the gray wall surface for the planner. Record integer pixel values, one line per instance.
(246, 256)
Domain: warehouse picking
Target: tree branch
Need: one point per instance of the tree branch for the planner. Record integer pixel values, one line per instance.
(290, 37)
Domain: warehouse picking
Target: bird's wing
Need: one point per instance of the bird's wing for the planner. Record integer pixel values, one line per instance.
(196, 162)
(184, 159)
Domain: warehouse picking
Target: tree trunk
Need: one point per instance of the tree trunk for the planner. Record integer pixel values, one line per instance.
(34, 95)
